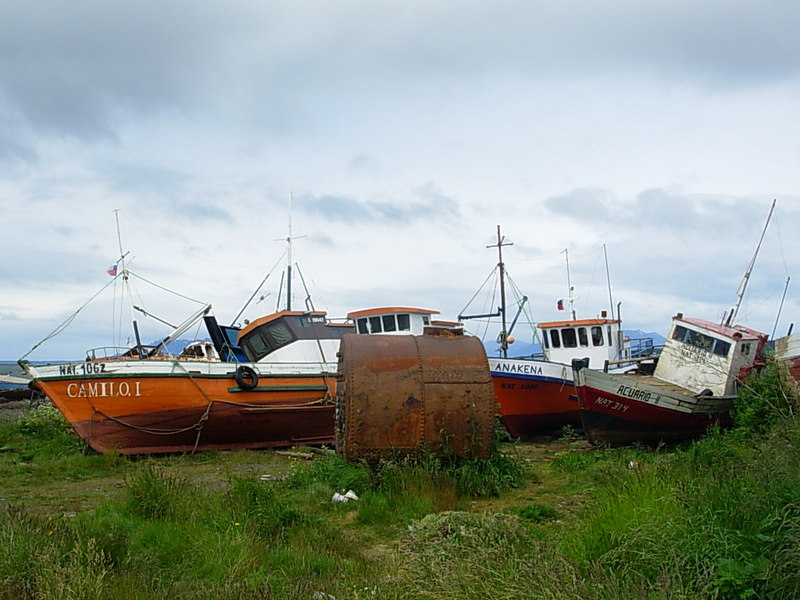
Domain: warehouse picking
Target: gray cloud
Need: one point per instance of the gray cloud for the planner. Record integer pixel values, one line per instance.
(13, 150)
(198, 120)
(71, 68)
(432, 204)
(592, 205)
(78, 68)
(67, 267)
(674, 212)
(334, 207)
(144, 179)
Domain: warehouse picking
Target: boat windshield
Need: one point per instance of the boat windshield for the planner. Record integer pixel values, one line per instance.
(701, 340)
(266, 338)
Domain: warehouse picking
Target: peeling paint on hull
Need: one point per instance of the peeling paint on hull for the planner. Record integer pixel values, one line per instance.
(174, 413)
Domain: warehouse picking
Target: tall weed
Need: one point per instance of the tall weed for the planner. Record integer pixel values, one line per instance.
(765, 399)
(153, 493)
(256, 505)
(41, 557)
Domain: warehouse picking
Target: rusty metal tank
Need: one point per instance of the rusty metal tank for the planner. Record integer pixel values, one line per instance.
(400, 394)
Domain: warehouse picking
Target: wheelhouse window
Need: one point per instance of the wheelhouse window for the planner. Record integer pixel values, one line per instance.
(569, 338)
(404, 322)
(745, 348)
(375, 325)
(255, 346)
(555, 338)
(267, 338)
(389, 324)
(721, 348)
(701, 341)
(362, 325)
(583, 338)
(597, 336)
(280, 333)
(426, 320)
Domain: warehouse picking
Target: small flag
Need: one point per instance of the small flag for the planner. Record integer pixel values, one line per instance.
(560, 304)
(112, 270)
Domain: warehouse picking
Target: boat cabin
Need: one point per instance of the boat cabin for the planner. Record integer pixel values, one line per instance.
(397, 321)
(599, 340)
(707, 357)
(292, 336)
(200, 350)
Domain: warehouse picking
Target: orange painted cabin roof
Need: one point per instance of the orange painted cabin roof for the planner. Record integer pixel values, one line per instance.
(577, 323)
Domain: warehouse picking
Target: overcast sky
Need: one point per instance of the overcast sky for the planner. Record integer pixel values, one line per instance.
(405, 132)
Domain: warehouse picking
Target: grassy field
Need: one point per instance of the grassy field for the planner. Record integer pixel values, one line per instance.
(719, 518)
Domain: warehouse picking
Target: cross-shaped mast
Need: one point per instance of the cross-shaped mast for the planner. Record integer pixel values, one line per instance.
(503, 338)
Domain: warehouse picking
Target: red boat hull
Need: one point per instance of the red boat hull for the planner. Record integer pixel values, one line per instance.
(534, 398)
(624, 421)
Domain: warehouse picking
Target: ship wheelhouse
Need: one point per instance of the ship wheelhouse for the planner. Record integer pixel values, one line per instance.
(293, 336)
(599, 340)
(397, 321)
(708, 357)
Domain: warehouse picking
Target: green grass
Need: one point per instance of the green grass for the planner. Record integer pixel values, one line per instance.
(715, 519)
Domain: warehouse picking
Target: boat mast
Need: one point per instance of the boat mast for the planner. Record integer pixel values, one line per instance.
(125, 281)
(503, 337)
(289, 240)
(780, 308)
(608, 281)
(620, 334)
(746, 278)
(289, 261)
(570, 299)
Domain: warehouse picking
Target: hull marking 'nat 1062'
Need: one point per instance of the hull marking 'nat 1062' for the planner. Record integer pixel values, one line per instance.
(87, 368)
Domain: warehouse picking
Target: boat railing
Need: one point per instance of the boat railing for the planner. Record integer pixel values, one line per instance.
(637, 362)
(118, 353)
(641, 347)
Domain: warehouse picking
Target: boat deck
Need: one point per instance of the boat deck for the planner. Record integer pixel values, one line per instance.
(659, 383)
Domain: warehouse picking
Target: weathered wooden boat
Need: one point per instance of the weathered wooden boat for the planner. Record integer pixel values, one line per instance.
(269, 383)
(536, 394)
(275, 387)
(693, 386)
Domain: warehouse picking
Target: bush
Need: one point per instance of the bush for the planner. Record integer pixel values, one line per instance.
(43, 421)
(764, 400)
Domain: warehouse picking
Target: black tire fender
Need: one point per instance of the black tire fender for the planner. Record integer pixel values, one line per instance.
(246, 377)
